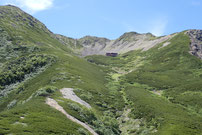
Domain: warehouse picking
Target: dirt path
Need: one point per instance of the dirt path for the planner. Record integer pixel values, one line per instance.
(54, 104)
(68, 93)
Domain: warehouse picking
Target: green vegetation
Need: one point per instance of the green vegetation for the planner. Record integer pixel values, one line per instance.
(64, 70)
(16, 70)
(103, 60)
(35, 117)
(168, 118)
(173, 70)
(122, 90)
(46, 91)
(103, 125)
(170, 69)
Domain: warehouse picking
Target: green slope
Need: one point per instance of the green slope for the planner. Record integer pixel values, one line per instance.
(162, 85)
(152, 92)
(173, 70)
(66, 70)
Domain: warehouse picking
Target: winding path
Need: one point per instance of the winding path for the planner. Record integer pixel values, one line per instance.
(54, 104)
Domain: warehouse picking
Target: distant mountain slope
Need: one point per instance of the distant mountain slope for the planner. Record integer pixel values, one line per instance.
(90, 45)
(152, 87)
(35, 65)
(162, 85)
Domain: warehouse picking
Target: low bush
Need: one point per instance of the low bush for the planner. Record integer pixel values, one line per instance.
(46, 91)
(16, 70)
(82, 131)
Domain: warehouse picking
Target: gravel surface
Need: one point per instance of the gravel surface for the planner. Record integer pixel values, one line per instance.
(68, 93)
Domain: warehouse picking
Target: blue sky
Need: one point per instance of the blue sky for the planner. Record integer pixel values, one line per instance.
(112, 18)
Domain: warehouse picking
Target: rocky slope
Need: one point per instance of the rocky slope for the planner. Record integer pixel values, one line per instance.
(90, 45)
(196, 42)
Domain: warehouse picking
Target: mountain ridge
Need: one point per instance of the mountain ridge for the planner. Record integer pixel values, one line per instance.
(152, 87)
(91, 45)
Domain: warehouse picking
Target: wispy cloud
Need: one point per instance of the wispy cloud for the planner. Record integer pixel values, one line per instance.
(158, 27)
(195, 3)
(31, 6)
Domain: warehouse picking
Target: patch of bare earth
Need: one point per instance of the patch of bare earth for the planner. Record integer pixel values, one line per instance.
(158, 92)
(68, 93)
(54, 104)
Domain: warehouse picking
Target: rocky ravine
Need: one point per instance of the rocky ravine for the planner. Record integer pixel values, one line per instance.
(196, 42)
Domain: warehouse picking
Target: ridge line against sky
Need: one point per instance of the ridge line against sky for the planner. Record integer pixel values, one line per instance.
(112, 18)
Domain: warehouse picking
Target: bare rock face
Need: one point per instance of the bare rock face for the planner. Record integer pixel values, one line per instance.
(90, 45)
(196, 42)
(125, 43)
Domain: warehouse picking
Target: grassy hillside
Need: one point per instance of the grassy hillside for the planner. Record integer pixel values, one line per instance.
(162, 86)
(140, 92)
(173, 70)
(65, 70)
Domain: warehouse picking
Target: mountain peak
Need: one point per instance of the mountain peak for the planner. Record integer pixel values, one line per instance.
(11, 6)
(132, 33)
(10, 9)
(128, 36)
(16, 19)
(92, 40)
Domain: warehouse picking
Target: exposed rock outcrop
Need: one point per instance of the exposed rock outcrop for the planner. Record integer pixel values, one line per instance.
(196, 42)
(90, 45)
(93, 45)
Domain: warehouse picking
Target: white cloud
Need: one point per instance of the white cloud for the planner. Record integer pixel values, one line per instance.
(31, 6)
(158, 27)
